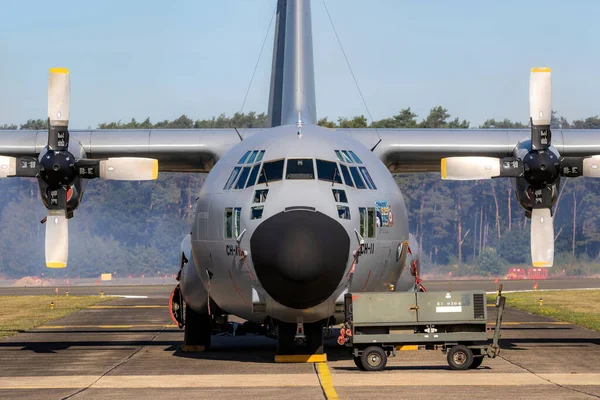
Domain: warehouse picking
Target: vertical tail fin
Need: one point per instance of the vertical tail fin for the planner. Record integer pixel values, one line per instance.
(292, 95)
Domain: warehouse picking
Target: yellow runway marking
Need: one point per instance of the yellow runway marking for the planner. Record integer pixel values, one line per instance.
(118, 307)
(326, 381)
(300, 358)
(106, 326)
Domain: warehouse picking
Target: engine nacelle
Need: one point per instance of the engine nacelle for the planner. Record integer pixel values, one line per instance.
(412, 267)
(192, 289)
(525, 195)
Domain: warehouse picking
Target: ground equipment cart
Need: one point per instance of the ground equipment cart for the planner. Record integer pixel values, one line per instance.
(378, 324)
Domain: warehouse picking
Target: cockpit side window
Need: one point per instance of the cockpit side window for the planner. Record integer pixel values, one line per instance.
(339, 195)
(343, 212)
(250, 159)
(328, 171)
(367, 176)
(346, 174)
(260, 155)
(271, 171)
(232, 178)
(260, 196)
(339, 156)
(354, 157)
(300, 168)
(347, 157)
(244, 157)
(241, 183)
(253, 174)
(357, 179)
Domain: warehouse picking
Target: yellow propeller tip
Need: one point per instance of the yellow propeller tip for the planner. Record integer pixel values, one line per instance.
(155, 170)
(59, 70)
(541, 264)
(56, 264)
(444, 174)
(540, 69)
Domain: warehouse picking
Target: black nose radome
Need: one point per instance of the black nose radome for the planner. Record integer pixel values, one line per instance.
(300, 257)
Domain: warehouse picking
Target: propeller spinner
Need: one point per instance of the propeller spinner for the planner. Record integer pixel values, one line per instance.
(541, 167)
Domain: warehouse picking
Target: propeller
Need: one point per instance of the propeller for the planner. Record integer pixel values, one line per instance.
(540, 165)
(57, 169)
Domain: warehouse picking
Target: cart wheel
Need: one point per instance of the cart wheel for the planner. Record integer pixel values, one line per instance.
(358, 363)
(373, 359)
(460, 357)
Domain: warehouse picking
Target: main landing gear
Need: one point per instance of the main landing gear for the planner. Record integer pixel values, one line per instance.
(197, 331)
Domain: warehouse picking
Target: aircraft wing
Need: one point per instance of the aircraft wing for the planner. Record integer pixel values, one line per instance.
(177, 150)
(420, 150)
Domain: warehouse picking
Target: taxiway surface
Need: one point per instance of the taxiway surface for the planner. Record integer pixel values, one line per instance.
(129, 348)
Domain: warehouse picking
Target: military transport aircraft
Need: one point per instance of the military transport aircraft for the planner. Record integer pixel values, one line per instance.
(292, 217)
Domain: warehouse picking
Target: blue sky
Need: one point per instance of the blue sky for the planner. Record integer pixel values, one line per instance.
(160, 59)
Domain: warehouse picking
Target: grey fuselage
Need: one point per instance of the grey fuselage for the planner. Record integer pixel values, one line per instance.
(299, 257)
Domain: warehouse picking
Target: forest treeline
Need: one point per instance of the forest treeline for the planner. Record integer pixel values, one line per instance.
(467, 228)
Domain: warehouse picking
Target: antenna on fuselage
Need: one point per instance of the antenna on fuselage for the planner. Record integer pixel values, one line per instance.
(240, 136)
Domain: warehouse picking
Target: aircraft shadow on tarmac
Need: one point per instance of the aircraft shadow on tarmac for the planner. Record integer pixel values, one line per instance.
(249, 348)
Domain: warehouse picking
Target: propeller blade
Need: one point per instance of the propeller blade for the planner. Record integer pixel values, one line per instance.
(20, 166)
(59, 104)
(542, 237)
(57, 239)
(591, 166)
(470, 168)
(540, 107)
(129, 169)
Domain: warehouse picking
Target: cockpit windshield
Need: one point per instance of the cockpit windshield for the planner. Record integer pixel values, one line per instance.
(301, 168)
(271, 171)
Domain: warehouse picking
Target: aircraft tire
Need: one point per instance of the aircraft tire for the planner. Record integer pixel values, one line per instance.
(197, 330)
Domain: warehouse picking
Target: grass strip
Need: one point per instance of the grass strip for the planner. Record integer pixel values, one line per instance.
(20, 313)
(580, 307)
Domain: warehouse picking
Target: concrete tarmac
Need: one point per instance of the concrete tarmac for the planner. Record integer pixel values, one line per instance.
(129, 348)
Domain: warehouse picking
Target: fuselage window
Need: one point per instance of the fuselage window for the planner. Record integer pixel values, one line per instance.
(357, 179)
(237, 220)
(244, 157)
(339, 195)
(257, 212)
(233, 219)
(260, 196)
(300, 169)
(354, 157)
(260, 155)
(241, 183)
(367, 176)
(347, 157)
(228, 222)
(271, 171)
(328, 171)
(363, 221)
(250, 159)
(371, 222)
(346, 174)
(339, 156)
(232, 178)
(253, 174)
(343, 212)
